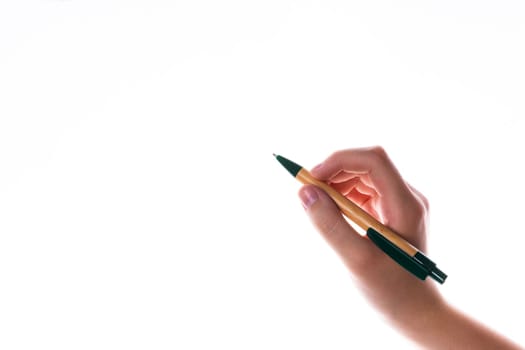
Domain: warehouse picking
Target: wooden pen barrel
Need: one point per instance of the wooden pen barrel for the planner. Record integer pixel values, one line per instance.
(352, 211)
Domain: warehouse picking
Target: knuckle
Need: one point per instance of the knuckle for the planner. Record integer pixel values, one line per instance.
(379, 152)
(419, 211)
(413, 210)
(337, 155)
(420, 197)
(425, 202)
(333, 230)
(414, 207)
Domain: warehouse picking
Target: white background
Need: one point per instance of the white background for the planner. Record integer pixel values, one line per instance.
(141, 207)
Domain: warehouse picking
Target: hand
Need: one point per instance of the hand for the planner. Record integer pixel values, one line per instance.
(368, 178)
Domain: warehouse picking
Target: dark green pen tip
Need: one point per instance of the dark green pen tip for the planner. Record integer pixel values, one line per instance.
(292, 167)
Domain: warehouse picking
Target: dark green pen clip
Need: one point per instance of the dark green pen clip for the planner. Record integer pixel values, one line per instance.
(419, 265)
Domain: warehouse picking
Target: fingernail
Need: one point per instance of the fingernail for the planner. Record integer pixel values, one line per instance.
(308, 196)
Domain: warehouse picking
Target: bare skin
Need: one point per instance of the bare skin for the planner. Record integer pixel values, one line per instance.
(368, 177)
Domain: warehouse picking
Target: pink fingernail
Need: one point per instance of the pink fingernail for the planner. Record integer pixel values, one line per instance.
(308, 196)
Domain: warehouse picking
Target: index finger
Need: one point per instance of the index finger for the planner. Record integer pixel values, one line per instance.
(372, 162)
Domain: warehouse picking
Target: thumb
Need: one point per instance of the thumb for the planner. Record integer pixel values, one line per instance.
(353, 248)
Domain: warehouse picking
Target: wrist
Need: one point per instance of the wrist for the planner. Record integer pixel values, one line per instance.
(438, 325)
(421, 315)
(425, 326)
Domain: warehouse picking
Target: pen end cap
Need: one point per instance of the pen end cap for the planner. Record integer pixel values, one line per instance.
(438, 275)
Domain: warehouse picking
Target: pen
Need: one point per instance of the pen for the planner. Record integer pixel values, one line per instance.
(404, 253)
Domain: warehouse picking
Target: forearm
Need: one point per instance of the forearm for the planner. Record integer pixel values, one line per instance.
(444, 327)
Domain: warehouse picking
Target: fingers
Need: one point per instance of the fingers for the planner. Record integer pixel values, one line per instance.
(347, 186)
(371, 164)
(327, 218)
(392, 201)
(356, 184)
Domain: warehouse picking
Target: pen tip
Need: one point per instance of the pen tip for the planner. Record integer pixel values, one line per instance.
(275, 155)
